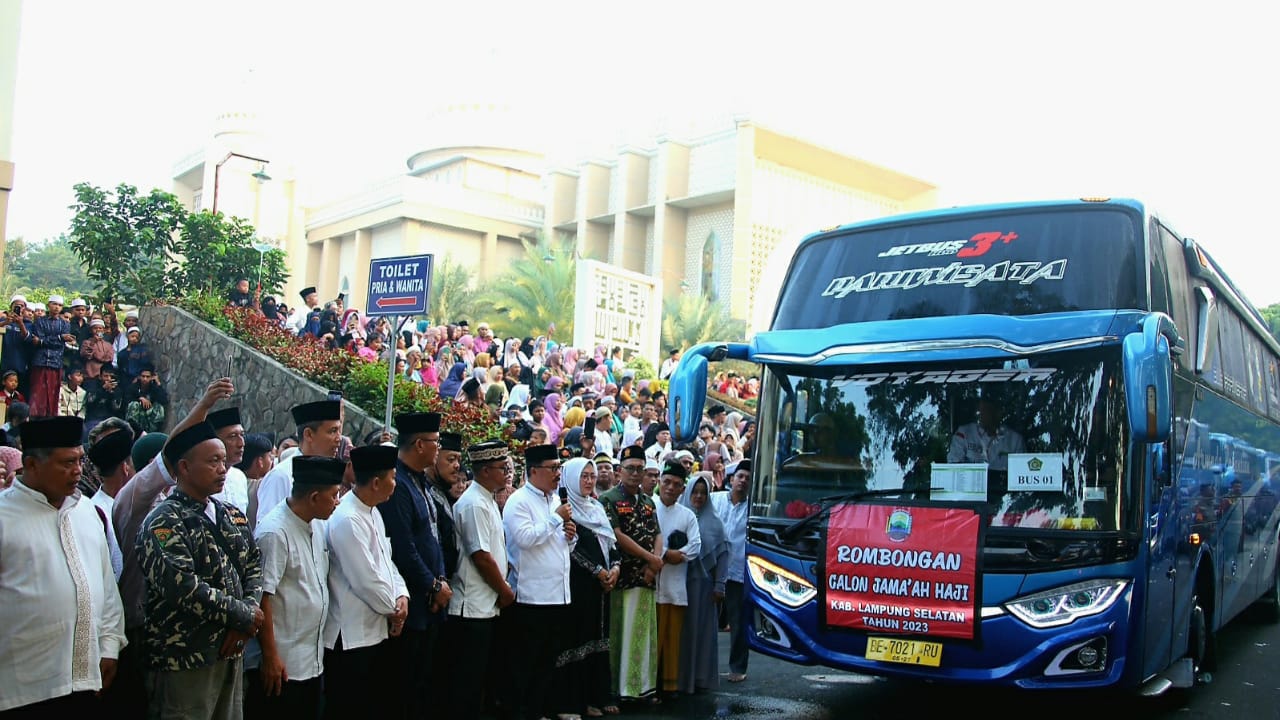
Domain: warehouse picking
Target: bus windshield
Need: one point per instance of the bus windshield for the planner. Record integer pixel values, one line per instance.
(1009, 263)
(1040, 441)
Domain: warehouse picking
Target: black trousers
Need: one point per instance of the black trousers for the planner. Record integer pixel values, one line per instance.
(413, 660)
(355, 682)
(734, 607)
(469, 642)
(540, 631)
(298, 699)
(127, 696)
(76, 705)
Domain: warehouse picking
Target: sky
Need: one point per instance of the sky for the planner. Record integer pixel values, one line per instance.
(1168, 102)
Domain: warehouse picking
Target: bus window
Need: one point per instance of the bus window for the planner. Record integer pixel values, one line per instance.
(1181, 293)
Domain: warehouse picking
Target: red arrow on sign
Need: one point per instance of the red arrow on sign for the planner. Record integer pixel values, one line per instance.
(384, 302)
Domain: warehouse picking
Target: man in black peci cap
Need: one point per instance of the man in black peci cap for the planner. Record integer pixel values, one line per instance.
(413, 528)
(298, 318)
(63, 637)
(369, 599)
(441, 476)
(230, 428)
(319, 429)
(203, 585)
(295, 590)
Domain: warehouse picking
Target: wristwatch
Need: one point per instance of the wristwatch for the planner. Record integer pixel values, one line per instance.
(436, 585)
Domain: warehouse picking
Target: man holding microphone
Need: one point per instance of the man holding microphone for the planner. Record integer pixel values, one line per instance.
(540, 535)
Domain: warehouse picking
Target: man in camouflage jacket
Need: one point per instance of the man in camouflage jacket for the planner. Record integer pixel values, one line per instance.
(203, 579)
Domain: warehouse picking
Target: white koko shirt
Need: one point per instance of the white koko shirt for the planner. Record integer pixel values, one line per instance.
(295, 572)
(60, 609)
(363, 582)
(671, 580)
(477, 527)
(537, 550)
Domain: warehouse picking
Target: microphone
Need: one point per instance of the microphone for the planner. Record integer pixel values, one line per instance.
(564, 495)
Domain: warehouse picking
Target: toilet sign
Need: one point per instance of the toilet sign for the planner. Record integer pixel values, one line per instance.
(399, 285)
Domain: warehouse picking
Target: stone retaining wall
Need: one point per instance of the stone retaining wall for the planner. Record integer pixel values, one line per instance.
(190, 353)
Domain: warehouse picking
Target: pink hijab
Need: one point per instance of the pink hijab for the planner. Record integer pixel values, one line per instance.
(553, 420)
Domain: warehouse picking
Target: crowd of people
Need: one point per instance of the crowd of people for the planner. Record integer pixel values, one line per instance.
(219, 573)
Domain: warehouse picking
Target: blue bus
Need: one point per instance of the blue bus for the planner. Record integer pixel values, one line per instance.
(1022, 445)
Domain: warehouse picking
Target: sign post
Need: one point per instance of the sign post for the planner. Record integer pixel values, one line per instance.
(398, 286)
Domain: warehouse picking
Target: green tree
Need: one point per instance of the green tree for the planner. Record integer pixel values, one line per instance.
(125, 240)
(217, 251)
(536, 293)
(455, 294)
(52, 264)
(688, 320)
(1271, 314)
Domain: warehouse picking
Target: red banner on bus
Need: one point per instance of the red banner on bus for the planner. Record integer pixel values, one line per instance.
(903, 569)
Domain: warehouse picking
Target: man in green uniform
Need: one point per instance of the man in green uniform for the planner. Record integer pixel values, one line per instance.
(203, 578)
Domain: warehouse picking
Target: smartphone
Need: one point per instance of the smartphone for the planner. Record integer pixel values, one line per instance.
(231, 363)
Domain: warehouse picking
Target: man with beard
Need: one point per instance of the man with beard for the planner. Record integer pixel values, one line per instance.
(442, 475)
(203, 586)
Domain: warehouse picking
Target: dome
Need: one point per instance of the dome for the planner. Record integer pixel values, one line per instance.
(495, 132)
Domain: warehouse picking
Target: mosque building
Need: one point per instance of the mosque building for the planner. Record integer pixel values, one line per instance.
(705, 213)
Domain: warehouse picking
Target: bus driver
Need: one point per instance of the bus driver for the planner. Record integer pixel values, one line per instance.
(987, 440)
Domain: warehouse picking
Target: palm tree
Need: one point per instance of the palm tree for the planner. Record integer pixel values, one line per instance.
(535, 294)
(454, 293)
(688, 320)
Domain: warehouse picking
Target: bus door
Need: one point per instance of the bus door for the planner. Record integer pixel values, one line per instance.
(1164, 636)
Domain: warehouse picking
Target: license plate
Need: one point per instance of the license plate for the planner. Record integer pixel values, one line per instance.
(908, 652)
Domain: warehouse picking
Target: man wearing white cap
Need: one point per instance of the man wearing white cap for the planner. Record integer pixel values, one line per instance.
(49, 335)
(80, 320)
(121, 340)
(96, 350)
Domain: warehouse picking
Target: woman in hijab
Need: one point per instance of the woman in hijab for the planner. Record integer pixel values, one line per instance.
(574, 417)
(511, 352)
(453, 383)
(554, 361)
(529, 361)
(540, 379)
(582, 670)
(495, 394)
(714, 465)
(552, 422)
(270, 309)
(519, 398)
(704, 581)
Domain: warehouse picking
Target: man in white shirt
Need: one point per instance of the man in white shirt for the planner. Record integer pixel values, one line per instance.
(368, 599)
(226, 422)
(111, 455)
(669, 365)
(603, 419)
(682, 543)
(540, 536)
(480, 587)
(732, 508)
(298, 317)
(987, 440)
(59, 607)
(295, 590)
(319, 426)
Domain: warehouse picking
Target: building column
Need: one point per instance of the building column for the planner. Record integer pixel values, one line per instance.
(327, 277)
(489, 257)
(10, 22)
(360, 273)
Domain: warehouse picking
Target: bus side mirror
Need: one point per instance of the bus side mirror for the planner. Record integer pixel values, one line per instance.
(1148, 379)
(687, 391)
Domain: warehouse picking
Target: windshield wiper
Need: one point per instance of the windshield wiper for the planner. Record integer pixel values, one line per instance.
(789, 533)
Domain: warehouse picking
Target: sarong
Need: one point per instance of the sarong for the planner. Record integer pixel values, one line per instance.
(634, 642)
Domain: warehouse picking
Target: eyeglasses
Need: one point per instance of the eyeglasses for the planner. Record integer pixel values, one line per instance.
(552, 468)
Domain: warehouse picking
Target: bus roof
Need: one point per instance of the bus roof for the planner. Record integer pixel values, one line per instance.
(963, 210)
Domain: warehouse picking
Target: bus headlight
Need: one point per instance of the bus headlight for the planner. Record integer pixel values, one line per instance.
(1061, 606)
(782, 585)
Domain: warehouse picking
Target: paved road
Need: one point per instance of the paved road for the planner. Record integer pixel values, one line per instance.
(1246, 687)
